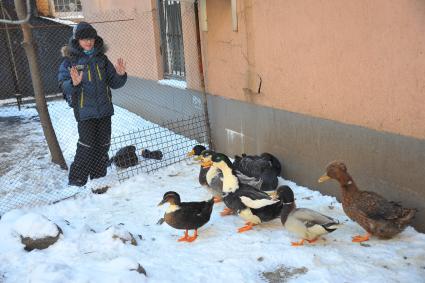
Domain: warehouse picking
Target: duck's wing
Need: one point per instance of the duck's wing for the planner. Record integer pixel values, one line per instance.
(251, 165)
(274, 162)
(375, 206)
(196, 209)
(252, 181)
(254, 198)
(217, 184)
(310, 217)
(203, 175)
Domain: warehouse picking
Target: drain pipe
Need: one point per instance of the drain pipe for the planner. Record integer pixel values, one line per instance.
(201, 72)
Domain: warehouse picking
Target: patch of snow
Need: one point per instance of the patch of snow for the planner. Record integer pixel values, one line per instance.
(62, 21)
(174, 83)
(35, 226)
(87, 253)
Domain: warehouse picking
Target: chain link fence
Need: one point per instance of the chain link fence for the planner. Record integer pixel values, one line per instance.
(159, 109)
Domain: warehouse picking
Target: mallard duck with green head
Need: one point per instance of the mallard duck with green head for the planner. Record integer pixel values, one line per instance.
(212, 177)
(253, 205)
(308, 224)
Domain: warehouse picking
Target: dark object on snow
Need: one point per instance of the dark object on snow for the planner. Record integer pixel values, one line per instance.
(155, 154)
(100, 190)
(140, 269)
(42, 243)
(125, 157)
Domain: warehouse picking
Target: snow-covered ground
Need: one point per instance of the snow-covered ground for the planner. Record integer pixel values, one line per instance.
(86, 252)
(25, 159)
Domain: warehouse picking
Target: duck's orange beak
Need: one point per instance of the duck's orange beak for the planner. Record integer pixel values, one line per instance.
(192, 153)
(324, 178)
(206, 163)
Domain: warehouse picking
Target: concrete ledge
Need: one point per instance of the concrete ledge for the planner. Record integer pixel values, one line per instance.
(157, 102)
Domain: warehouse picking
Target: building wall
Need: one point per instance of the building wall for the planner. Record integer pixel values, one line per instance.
(340, 80)
(131, 30)
(389, 164)
(43, 7)
(356, 62)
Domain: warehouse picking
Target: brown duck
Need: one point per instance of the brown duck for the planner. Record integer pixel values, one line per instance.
(378, 216)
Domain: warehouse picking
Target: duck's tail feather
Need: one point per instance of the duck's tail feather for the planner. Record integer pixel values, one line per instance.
(407, 216)
(331, 226)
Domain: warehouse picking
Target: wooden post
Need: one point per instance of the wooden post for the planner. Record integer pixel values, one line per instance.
(46, 123)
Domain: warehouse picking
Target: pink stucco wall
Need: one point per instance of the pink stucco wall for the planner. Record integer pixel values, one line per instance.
(358, 62)
(131, 30)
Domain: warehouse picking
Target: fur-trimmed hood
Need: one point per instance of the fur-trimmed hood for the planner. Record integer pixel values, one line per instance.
(73, 49)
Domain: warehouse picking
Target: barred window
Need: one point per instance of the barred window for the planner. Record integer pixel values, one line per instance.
(63, 6)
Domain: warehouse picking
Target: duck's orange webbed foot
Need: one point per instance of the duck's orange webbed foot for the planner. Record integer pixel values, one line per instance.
(193, 238)
(217, 199)
(248, 226)
(312, 241)
(359, 238)
(297, 244)
(226, 211)
(184, 238)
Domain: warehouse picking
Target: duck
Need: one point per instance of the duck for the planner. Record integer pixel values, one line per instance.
(196, 151)
(375, 214)
(266, 167)
(308, 224)
(212, 177)
(253, 205)
(186, 215)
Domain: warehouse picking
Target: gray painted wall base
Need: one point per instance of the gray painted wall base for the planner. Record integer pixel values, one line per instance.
(157, 103)
(389, 164)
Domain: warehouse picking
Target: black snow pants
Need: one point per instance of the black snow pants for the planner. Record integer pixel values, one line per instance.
(91, 158)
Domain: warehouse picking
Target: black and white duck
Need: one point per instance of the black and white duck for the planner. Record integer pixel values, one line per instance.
(212, 177)
(186, 215)
(253, 205)
(266, 167)
(308, 224)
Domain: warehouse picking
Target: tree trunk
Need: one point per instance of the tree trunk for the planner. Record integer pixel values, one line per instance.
(46, 123)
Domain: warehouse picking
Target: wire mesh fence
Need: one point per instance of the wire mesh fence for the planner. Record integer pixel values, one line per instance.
(149, 107)
(154, 147)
